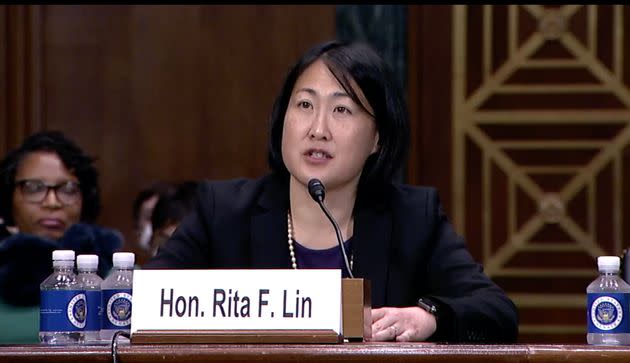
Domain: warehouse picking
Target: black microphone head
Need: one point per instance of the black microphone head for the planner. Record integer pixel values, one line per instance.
(316, 190)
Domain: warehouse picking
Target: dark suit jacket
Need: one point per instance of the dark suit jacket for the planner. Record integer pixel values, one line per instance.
(403, 243)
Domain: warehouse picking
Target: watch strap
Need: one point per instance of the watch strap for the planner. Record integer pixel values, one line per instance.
(429, 306)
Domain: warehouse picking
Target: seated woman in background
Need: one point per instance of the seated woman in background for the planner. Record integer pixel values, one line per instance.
(142, 209)
(169, 211)
(49, 199)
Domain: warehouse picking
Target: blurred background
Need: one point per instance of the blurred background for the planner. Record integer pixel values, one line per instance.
(519, 116)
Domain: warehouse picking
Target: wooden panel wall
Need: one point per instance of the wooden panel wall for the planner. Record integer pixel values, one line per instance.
(155, 92)
(520, 118)
(429, 95)
(20, 73)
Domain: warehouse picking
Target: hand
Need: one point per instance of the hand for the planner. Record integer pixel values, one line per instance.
(402, 324)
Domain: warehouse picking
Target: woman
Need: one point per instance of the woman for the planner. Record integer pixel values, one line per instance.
(341, 119)
(142, 210)
(169, 211)
(49, 198)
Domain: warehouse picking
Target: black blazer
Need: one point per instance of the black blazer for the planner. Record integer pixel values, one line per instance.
(403, 243)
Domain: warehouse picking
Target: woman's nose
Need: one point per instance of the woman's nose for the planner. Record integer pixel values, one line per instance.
(319, 129)
(51, 200)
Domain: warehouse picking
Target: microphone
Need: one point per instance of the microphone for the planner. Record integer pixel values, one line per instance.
(318, 193)
(316, 190)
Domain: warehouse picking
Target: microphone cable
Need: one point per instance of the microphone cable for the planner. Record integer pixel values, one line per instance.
(318, 192)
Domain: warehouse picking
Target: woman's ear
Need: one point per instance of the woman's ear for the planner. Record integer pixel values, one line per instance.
(376, 146)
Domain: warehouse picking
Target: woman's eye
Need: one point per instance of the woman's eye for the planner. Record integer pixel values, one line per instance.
(342, 109)
(70, 188)
(33, 187)
(304, 104)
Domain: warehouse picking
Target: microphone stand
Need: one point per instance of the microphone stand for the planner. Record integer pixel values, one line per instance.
(318, 193)
(356, 293)
(339, 237)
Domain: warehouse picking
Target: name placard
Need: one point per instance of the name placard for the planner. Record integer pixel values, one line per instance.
(236, 300)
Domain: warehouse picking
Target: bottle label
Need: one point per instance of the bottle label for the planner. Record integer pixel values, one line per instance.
(608, 313)
(62, 310)
(94, 310)
(117, 305)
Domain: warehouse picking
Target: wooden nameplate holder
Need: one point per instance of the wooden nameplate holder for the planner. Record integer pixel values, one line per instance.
(356, 296)
(357, 326)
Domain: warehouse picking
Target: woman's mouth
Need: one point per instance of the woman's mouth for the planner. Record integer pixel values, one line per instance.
(318, 154)
(52, 223)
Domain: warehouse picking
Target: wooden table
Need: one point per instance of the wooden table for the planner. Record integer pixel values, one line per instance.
(303, 353)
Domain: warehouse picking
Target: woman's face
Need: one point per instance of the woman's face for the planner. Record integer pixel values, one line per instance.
(143, 225)
(40, 210)
(326, 135)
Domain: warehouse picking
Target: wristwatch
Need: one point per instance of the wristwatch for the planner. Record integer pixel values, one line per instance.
(429, 306)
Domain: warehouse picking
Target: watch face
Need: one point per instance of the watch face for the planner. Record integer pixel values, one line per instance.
(427, 305)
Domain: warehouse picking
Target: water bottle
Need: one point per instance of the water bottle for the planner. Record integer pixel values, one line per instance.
(63, 305)
(116, 290)
(86, 267)
(607, 307)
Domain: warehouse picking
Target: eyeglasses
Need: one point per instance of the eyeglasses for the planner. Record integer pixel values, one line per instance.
(35, 191)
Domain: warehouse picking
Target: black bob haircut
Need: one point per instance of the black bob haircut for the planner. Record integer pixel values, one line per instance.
(356, 62)
(73, 158)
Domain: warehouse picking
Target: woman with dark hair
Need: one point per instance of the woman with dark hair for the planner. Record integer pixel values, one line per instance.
(142, 210)
(341, 118)
(169, 211)
(49, 199)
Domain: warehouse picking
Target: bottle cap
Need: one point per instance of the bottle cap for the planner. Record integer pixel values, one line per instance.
(608, 263)
(63, 255)
(87, 262)
(123, 259)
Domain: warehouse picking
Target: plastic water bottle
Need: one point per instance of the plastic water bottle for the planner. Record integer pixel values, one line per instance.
(86, 267)
(608, 297)
(117, 291)
(63, 305)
